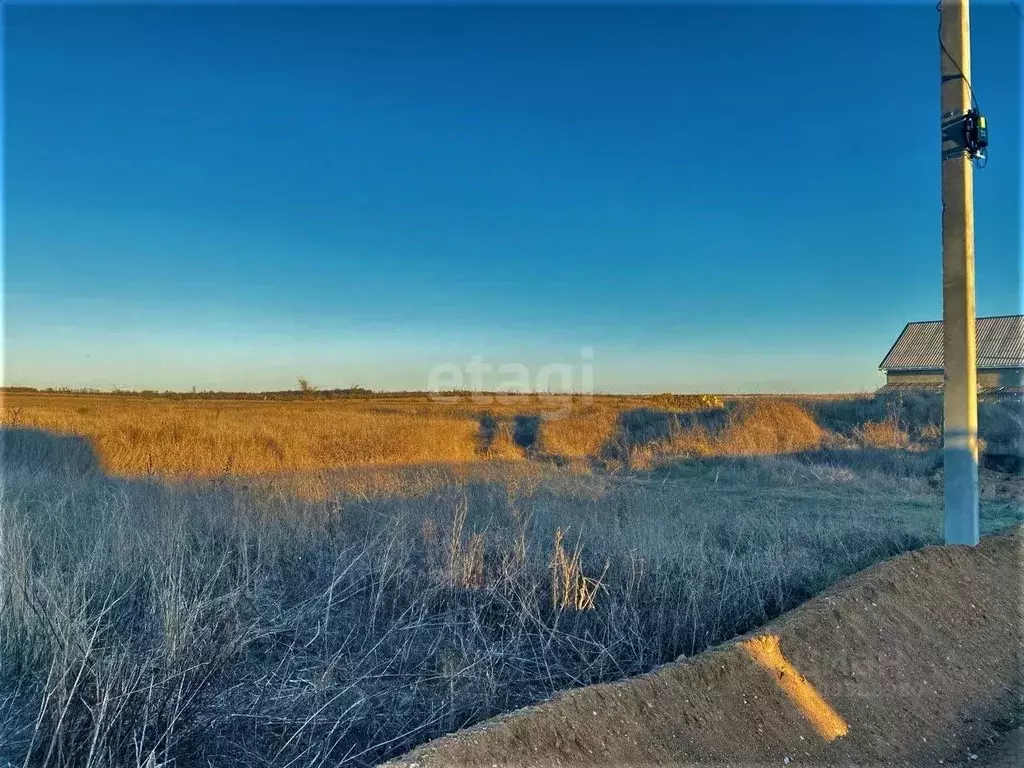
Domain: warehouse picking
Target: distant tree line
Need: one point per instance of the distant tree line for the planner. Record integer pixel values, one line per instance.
(284, 394)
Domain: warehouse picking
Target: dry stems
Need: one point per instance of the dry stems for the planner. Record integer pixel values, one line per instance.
(144, 624)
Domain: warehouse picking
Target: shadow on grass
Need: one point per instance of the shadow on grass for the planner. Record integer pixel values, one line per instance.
(35, 449)
(523, 429)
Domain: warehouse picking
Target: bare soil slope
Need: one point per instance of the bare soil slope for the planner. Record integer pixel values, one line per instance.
(918, 657)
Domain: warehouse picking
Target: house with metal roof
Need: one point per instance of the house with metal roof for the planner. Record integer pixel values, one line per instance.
(915, 360)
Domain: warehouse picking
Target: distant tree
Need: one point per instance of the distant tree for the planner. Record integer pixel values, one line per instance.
(304, 386)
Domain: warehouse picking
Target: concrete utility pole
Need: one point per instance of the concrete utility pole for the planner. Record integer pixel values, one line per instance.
(958, 312)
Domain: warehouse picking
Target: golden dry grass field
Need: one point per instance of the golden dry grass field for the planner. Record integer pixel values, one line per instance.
(388, 443)
(137, 436)
(376, 445)
(333, 580)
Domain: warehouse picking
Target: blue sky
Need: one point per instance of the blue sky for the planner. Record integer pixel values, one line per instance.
(740, 198)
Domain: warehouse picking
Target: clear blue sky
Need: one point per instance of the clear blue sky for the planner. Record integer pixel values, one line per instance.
(737, 198)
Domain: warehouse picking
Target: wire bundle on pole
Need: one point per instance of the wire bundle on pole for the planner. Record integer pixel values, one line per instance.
(978, 161)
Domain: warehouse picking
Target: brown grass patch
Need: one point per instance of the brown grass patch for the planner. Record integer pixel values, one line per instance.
(579, 435)
(768, 427)
(883, 434)
(761, 427)
(135, 436)
(503, 444)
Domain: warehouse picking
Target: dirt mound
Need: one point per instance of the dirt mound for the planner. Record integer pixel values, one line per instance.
(910, 662)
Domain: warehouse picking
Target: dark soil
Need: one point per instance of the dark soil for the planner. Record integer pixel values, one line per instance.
(920, 655)
(1005, 751)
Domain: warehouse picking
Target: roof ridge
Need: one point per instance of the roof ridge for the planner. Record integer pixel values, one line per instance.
(979, 317)
(919, 345)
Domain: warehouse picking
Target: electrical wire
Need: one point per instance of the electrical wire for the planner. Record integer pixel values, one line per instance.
(977, 162)
(970, 88)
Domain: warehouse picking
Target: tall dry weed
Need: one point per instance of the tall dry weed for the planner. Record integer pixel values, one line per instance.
(571, 589)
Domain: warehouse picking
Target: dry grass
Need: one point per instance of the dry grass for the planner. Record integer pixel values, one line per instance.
(137, 436)
(147, 624)
(756, 427)
(502, 444)
(570, 588)
(337, 606)
(888, 433)
(455, 559)
(580, 434)
(301, 443)
(769, 427)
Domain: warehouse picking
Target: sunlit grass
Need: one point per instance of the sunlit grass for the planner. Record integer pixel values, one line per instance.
(332, 582)
(137, 436)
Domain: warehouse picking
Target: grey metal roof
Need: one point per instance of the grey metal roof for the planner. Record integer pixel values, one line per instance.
(919, 347)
